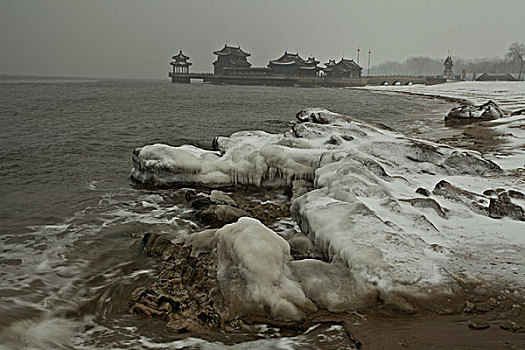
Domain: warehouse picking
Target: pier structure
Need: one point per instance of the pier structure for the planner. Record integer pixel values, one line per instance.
(232, 67)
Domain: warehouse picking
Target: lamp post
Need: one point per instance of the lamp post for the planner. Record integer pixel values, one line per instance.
(368, 71)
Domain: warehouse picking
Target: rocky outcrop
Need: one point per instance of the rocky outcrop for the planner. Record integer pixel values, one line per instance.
(502, 206)
(220, 215)
(212, 282)
(518, 112)
(372, 232)
(468, 113)
(185, 293)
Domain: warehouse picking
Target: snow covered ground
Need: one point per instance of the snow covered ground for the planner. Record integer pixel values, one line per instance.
(508, 95)
(399, 219)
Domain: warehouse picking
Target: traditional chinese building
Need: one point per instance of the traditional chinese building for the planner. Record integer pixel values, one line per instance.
(310, 68)
(342, 69)
(229, 59)
(232, 67)
(180, 64)
(292, 65)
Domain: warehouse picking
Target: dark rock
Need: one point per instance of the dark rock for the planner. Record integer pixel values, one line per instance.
(518, 112)
(516, 194)
(268, 212)
(229, 214)
(491, 110)
(218, 197)
(376, 169)
(447, 190)
(424, 152)
(423, 191)
(502, 206)
(465, 163)
(490, 193)
(484, 306)
(333, 140)
(472, 200)
(154, 244)
(190, 195)
(512, 327)
(473, 324)
(182, 293)
(10, 261)
(469, 307)
(313, 117)
(215, 144)
(220, 215)
(426, 203)
(302, 247)
(201, 202)
(467, 113)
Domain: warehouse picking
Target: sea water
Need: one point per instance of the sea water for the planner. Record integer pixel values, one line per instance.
(72, 220)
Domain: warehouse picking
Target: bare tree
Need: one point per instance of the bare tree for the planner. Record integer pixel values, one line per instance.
(515, 54)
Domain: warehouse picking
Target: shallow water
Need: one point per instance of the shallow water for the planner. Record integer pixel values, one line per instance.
(72, 221)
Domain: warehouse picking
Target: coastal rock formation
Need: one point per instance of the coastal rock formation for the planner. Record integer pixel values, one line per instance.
(518, 112)
(243, 271)
(487, 111)
(383, 237)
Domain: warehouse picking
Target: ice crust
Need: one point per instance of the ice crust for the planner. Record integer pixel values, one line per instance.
(384, 240)
(253, 268)
(508, 95)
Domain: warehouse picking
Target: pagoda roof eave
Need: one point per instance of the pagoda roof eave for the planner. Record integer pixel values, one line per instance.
(288, 63)
(230, 50)
(183, 64)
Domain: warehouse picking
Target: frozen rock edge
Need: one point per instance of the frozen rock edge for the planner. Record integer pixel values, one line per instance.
(401, 220)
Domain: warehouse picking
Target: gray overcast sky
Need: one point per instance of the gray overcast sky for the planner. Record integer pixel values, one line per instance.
(136, 38)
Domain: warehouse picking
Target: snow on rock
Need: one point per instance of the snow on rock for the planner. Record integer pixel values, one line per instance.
(253, 272)
(487, 111)
(397, 218)
(257, 275)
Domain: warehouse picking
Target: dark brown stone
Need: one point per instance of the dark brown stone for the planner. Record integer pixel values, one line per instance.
(423, 191)
(502, 206)
(473, 324)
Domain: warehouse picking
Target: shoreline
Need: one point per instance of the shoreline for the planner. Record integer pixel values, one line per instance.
(427, 96)
(481, 302)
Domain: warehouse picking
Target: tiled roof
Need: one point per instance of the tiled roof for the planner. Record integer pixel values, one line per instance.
(231, 50)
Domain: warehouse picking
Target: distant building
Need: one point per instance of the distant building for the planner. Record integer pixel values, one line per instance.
(232, 67)
(342, 69)
(228, 58)
(180, 64)
(495, 77)
(292, 65)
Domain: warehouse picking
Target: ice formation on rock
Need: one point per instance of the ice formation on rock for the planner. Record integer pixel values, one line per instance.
(486, 111)
(397, 218)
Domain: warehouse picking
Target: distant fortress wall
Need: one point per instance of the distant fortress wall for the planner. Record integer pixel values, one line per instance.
(305, 81)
